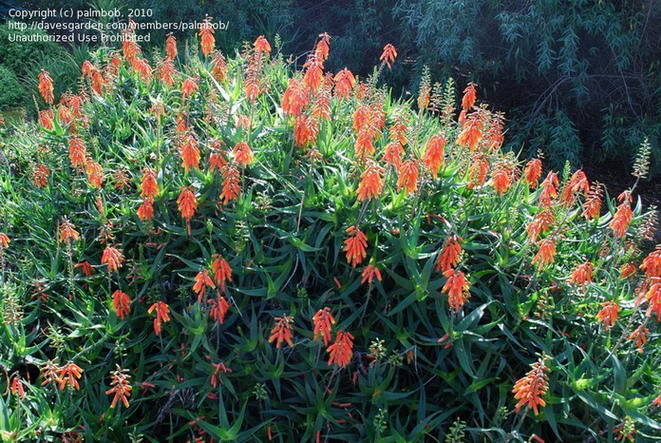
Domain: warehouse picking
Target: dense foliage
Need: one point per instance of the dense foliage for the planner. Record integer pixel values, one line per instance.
(197, 246)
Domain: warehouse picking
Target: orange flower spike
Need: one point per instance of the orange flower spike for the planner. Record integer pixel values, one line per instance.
(639, 336)
(592, 205)
(341, 351)
(17, 387)
(434, 153)
(323, 323)
(355, 246)
(608, 314)
(295, 98)
(187, 203)
(623, 215)
(222, 271)
(577, 183)
(190, 154)
(188, 88)
(77, 152)
(371, 182)
(218, 309)
(470, 94)
(389, 55)
(202, 280)
(86, 268)
(471, 133)
(120, 387)
(450, 254)
(112, 257)
(408, 177)
(392, 154)
(67, 231)
(68, 375)
(46, 87)
(282, 331)
(231, 184)
(549, 189)
(457, 288)
(314, 73)
(94, 172)
(652, 263)
(149, 185)
(369, 273)
(546, 253)
(215, 376)
(145, 211)
(4, 241)
(219, 67)
(344, 83)
(322, 50)
(121, 303)
(243, 154)
(46, 119)
(653, 295)
(530, 389)
(171, 47)
(627, 270)
(162, 315)
(306, 130)
(262, 45)
(582, 274)
(532, 172)
(166, 73)
(207, 40)
(502, 178)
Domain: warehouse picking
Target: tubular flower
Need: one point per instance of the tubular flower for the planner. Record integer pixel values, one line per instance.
(457, 288)
(389, 55)
(450, 253)
(282, 331)
(67, 231)
(187, 203)
(469, 97)
(627, 270)
(231, 184)
(478, 170)
(533, 171)
(434, 152)
(190, 154)
(86, 268)
(471, 133)
(49, 372)
(242, 154)
(364, 144)
(215, 376)
(398, 130)
(171, 47)
(608, 314)
(371, 182)
(623, 215)
(121, 303)
(120, 387)
(146, 209)
(314, 73)
(322, 50)
(344, 83)
(341, 351)
(582, 274)
(77, 152)
(202, 280)
(112, 257)
(530, 389)
(217, 161)
(306, 130)
(653, 295)
(46, 119)
(4, 241)
(222, 271)
(546, 253)
(262, 45)
(68, 375)
(94, 172)
(355, 246)
(392, 154)
(46, 87)
(639, 336)
(166, 73)
(219, 67)
(592, 205)
(369, 273)
(295, 98)
(16, 387)
(541, 223)
(652, 263)
(142, 68)
(549, 189)
(323, 323)
(207, 41)
(218, 308)
(577, 183)
(502, 177)
(188, 88)
(149, 185)
(40, 175)
(162, 315)
(408, 177)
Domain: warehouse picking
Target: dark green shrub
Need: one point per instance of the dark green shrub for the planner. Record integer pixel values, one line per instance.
(11, 90)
